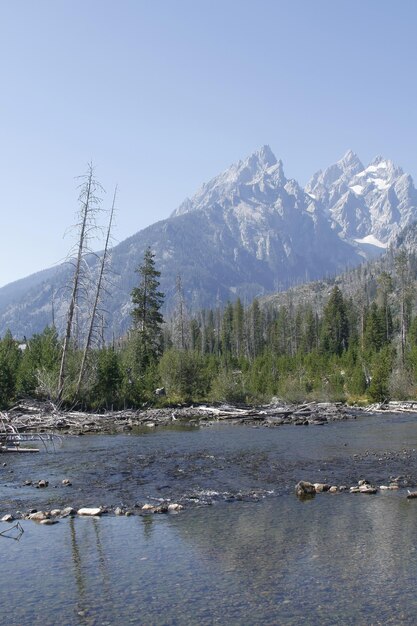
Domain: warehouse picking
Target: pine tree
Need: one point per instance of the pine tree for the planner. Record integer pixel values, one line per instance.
(335, 331)
(147, 318)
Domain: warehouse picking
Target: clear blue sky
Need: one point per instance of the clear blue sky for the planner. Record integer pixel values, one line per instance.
(164, 94)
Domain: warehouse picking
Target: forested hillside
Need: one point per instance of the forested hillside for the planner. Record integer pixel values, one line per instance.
(350, 339)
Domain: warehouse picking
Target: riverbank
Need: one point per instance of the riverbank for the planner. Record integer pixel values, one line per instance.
(46, 417)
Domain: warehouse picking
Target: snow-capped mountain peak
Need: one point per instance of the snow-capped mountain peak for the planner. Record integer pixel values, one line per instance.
(377, 200)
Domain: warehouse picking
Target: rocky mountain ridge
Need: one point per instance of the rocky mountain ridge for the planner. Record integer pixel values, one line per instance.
(247, 232)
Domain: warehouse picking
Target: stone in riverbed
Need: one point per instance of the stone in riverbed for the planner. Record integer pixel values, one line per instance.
(174, 507)
(42, 484)
(7, 518)
(55, 512)
(411, 495)
(68, 511)
(66, 482)
(118, 510)
(333, 489)
(148, 507)
(370, 489)
(304, 489)
(48, 522)
(39, 516)
(320, 487)
(90, 511)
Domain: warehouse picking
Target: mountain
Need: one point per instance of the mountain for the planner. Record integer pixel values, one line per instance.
(247, 232)
(372, 203)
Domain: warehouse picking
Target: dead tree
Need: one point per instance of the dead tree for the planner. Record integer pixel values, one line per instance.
(89, 206)
(97, 296)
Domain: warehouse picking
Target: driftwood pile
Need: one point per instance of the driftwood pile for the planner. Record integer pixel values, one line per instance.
(393, 406)
(45, 417)
(37, 417)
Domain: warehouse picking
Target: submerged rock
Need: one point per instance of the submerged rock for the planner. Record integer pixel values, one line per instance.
(7, 518)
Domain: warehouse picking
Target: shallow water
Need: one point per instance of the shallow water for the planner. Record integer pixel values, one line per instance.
(337, 559)
(230, 461)
(343, 559)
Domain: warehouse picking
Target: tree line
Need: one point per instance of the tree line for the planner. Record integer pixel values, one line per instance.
(360, 346)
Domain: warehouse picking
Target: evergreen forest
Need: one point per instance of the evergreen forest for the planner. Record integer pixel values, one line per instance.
(353, 340)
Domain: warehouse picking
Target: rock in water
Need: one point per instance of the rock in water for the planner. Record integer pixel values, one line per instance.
(39, 516)
(365, 488)
(304, 489)
(90, 511)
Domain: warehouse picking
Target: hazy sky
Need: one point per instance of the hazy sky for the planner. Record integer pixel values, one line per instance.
(164, 94)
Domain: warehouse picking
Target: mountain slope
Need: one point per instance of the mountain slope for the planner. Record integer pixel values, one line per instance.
(247, 232)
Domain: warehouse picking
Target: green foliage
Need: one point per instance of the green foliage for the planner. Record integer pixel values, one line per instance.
(39, 364)
(379, 390)
(335, 328)
(229, 386)
(107, 388)
(324, 349)
(147, 318)
(184, 374)
(10, 357)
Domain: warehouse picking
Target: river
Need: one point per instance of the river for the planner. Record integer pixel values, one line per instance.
(243, 551)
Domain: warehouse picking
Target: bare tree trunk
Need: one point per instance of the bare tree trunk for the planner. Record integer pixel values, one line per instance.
(76, 281)
(96, 299)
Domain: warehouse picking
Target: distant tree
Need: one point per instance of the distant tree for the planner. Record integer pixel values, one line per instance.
(180, 322)
(381, 370)
(335, 328)
(238, 328)
(106, 390)
(402, 270)
(147, 318)
(10, 356)
(375, 329)
(40, 363)
(385, 286)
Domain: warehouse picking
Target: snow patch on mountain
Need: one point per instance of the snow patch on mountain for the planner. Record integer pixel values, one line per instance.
(373, 241)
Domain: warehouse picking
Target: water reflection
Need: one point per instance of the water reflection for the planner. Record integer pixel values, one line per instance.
(340, 559)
